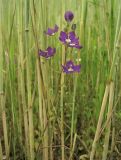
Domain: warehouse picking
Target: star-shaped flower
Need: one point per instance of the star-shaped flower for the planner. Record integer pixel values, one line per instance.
(70, 39)
(69, 67)
(49, 52)
(52, 31)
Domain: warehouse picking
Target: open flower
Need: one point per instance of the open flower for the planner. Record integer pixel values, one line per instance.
(69, 67)
(49, 52)
(52, 31)
(70, 39)
(69, 16)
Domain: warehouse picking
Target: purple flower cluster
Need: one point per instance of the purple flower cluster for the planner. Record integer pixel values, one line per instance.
(67, 38)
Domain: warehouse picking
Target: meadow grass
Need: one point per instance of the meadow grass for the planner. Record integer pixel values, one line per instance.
(46, 114)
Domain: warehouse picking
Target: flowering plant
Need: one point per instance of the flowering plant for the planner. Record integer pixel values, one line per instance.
(67, 38)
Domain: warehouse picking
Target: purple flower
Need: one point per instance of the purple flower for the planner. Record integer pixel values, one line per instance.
(69, 16)
(49, 52)
(69, 67)
(70, 39)
(52, 31)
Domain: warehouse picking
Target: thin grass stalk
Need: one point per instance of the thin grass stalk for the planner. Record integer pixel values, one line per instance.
(111, 113)
(106, 26)
(30, 108)
(46, 80)
(83, 20)
(1, 154)
(52, 83)
(107, 135)
(115, 56)
(38, 65)
(116, 72)
(113, 138)
(20, 113)
(45, 105)
(118, 26)
(112, 76)
(45, 119)
(51, 143)
(62, 107)
(1, 78)
(73, 147)
(103, 106)
(116, 44)
(41, 87)
(45, 136)
(62, 91)
(4, 124)
(87, 57)
(2, 95)
(49, 111)
(25, 115)
(45, 115)
(73, 115)
(5, 132)
(40, 96)
(11, 76)
(21, 61)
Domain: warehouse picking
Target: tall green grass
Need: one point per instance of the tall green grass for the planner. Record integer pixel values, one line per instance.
(44, 113)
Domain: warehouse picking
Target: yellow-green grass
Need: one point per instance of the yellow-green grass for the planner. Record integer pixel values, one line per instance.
(44, 113)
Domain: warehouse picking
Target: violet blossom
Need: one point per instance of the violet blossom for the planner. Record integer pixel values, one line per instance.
(70, 39)
(69, 67)
(49, 52)
(52, 31)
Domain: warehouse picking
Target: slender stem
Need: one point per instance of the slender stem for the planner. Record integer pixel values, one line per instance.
(1, 154)
(62, 104)
(2, 95)
(42, 81)
(104, 102)
(107, 135)
(30, 110)
(22, 76)
(117, 42)
(73, 115)
(62, 89)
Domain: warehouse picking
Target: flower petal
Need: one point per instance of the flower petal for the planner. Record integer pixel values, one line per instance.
(77, 68)
(49, 31)
(69, 64)
(71, 35)
(52, 31)
(42, 53)
(49, 52)
(63, 37)
(67, 70)
(69, 67)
